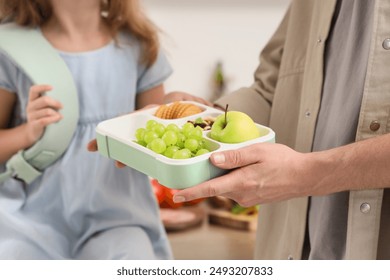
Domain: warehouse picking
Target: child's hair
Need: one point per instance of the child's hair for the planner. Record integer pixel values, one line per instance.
(119, 14)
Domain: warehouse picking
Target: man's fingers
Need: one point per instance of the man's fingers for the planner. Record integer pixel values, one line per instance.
(203, 101)
(232, 159)
(217, 186)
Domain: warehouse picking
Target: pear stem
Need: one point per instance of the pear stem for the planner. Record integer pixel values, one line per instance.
(226, 110)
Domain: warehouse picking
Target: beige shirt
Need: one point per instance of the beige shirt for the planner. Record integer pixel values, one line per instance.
(286, 95)
(338, 118)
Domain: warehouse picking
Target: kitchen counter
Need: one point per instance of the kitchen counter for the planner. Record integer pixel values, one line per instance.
(212, 242)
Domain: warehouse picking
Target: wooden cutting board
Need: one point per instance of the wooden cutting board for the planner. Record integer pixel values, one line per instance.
(225, 218)
(182, 218)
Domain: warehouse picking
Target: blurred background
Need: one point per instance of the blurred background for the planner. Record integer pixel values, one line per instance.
(213, 46)
(206, 38)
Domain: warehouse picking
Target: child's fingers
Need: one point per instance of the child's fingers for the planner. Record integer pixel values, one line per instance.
(45, 121)
(42, 113)
(92, 146)
(44, 102)
(119, 164)
(37, 90)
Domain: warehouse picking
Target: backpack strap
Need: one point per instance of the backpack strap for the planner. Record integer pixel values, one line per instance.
(43, 65)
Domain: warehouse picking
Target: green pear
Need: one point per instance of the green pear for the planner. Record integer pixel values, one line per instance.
(234, 127)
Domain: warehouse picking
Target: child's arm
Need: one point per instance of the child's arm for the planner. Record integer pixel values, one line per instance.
(157, 95)
(151, 96)
(41, 111)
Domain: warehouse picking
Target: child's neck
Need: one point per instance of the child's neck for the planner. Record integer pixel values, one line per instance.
(76, 26)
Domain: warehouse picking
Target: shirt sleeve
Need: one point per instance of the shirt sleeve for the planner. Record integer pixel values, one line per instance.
(8, 73)
(155, 74)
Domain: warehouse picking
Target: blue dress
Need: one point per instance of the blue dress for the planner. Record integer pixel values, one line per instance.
(83, 207)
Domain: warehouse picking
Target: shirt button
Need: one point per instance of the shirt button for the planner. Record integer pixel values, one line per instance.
(307, 114)
(375, 125)
(319, 40)
(386, 44)
(290, 257)
(365, 208)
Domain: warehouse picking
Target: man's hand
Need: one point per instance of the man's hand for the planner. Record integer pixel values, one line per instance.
(260, 173)
(182, 96)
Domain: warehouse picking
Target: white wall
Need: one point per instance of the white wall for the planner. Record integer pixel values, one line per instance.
(198, 33)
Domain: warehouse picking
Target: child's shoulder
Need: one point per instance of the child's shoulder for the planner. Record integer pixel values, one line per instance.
(125, 38)
(129, 43)
(8, 66)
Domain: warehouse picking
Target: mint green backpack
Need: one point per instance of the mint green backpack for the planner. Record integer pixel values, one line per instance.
(43, 65)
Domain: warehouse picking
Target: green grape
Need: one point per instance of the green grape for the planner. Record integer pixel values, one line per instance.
(202, 152)
(202, 144)
(141, 142)
(182, 154)
(187, 127)
(159, 129)
(140, 133)
(157, 145)
(170, 151)
(180, 140)
(172, 127)
(171, 141)
(150, 124)
(191, 144)
(149, 136)
(170, 138)
(196, 133)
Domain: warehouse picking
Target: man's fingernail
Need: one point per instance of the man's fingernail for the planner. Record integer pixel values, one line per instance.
(179, 199)
(219, 158)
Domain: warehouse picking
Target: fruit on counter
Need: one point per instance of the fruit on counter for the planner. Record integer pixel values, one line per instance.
(234, 127)
(230, 206)
(240, 210)
(164, 196)
(172, 141)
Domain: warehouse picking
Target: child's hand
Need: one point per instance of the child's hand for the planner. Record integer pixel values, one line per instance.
(42, 110)
(92, 147)
(182, 96)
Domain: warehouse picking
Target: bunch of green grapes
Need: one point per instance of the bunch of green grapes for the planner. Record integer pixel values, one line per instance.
(172, 141)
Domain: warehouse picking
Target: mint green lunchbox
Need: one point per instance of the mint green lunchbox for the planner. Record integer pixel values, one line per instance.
(116, 140)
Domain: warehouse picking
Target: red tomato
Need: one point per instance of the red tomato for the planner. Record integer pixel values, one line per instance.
(168, 199)
(164, 195)
(158, 191)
